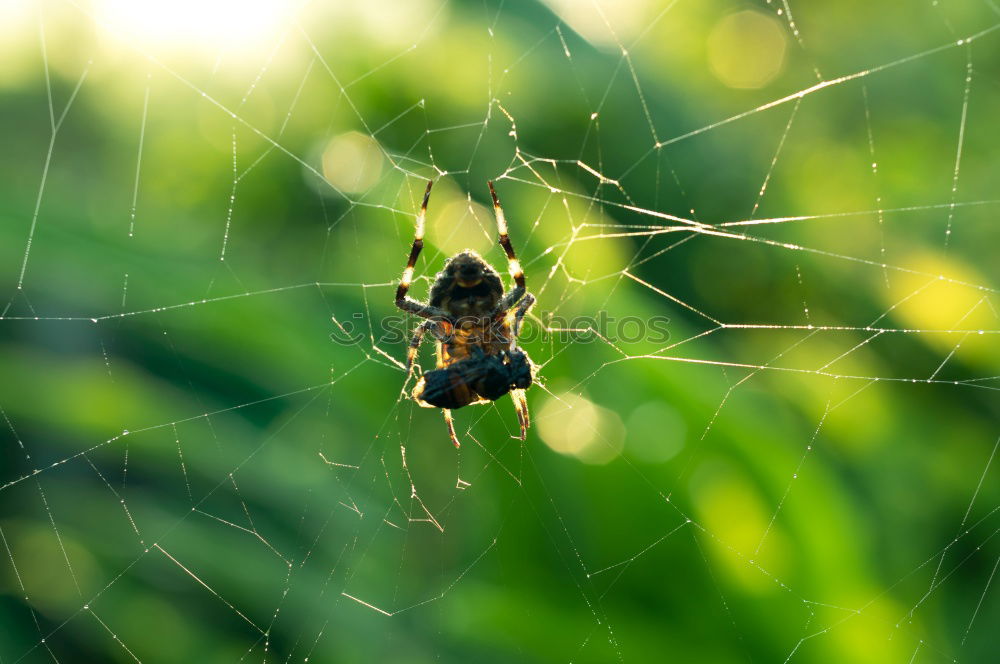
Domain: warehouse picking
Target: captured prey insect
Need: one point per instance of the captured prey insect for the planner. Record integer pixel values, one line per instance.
(475, 324)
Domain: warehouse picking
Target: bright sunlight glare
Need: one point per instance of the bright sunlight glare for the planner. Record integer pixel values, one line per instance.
(215, 24)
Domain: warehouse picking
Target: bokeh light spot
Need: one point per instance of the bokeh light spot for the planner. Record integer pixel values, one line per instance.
(746, 49)
(655, 432)
(459, 224)
(575, 426)
(352, 162)
(728, 501)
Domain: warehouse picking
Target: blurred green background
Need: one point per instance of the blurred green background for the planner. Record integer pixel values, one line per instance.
(195, 195)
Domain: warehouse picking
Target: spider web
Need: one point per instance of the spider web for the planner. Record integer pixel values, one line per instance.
(803, 471)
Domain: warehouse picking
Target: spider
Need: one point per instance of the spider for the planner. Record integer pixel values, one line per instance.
(470, 316)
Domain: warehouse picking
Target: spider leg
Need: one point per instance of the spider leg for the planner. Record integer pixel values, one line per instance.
(509, 300)
(451, 427)
(521, 408)
(519, 314)
(515, 267)
(402, 301)
(519, 290)
(414, 347)
(518, 295)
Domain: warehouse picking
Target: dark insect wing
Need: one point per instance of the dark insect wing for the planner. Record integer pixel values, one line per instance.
(450, 387)
(519, 370)
(481, 376)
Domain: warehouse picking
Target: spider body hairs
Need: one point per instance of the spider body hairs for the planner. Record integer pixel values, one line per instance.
(475, 323)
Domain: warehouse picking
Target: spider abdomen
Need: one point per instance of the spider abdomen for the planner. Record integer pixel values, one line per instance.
(466, 340)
